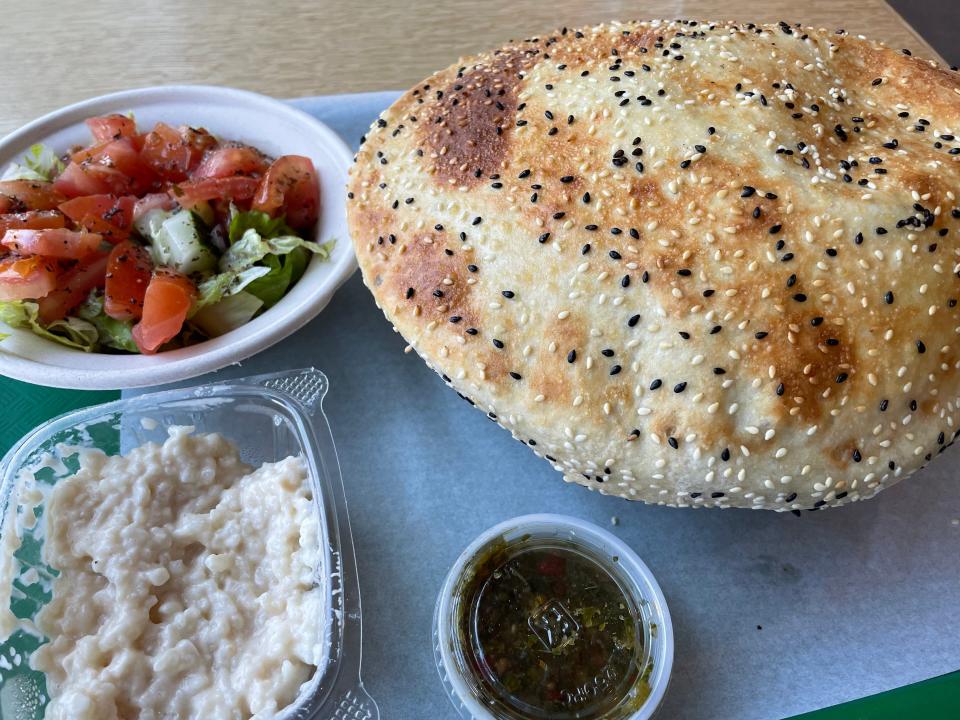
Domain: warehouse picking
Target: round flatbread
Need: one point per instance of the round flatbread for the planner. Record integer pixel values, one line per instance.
(696, 264)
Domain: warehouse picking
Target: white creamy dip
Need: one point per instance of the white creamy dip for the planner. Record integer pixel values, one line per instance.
(188, 585)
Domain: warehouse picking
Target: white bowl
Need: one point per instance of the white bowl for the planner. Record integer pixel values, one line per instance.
(270, 125)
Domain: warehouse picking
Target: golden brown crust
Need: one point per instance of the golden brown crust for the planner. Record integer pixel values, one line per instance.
(689, 263)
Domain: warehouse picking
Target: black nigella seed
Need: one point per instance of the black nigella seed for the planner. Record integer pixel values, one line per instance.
(672, 442)
(725, 454)
(716, 495)
(684, 334)
(472, 331)
(543, 238)
(708, 292)
(816, 321)
(884, 404)
(625, 281)
(715, 329)
(607, 352)
(615, 370)
(888, 297)
(645, 278)
(842, 377)
(585, 249)
(477, 220)
(780, 389)
(832, 252)
(634, 233)
(455, 318)
(498, 344)
(572, 356)
(566, 179)
(590, 227)
(747, 191)
(790, 498)
(472, 268)
(615, 255)
(684, 272)
(515, 375)
(632, 322)
(410, 292)
(509, 294)
(857, 457)
(719, 371)
(558, 215)
(774, 229)
(438, 293)
(859, 239)
(680, 387)
(656, 384)
(760, 335)
(586, 197)
(921, 348)
(800, 297)
(913, 406)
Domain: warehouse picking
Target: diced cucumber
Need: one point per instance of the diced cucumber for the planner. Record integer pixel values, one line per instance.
(148, 225)
(178, 243)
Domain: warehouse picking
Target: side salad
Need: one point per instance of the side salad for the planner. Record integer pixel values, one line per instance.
(143, 242)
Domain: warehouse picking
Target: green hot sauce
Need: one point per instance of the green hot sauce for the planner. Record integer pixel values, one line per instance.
(546, 631)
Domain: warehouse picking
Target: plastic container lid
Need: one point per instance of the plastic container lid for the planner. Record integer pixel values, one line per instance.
(632, 687)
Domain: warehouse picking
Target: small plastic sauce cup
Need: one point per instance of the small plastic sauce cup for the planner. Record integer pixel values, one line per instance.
(630, 687)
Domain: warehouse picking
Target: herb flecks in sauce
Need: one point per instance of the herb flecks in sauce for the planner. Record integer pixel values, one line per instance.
(548, 632)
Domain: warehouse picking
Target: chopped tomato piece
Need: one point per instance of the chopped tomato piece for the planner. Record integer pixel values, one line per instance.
(165, 306)
(110, 216)
(22, 195)
(73, 287)
(153, 201)
(238, 189)
(290, 188)
(128, 274)
(172, 154)
(111, 127)
(91, 179)
(58, 243)
(119, 155)
(230, 161)
(26, 278)
(33, 220)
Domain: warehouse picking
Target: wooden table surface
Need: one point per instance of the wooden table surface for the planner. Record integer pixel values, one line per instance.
(68, 51)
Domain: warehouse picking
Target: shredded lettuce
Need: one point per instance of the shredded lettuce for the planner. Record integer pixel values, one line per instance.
(251, 248)
(71, 331)
(217, 287)
(230, 313)
(112, 332)
(266, 226)
(40, 163)
(285, 270)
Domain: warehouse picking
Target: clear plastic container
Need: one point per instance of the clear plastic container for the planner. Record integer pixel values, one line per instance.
(268, 417)
(477, 698)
